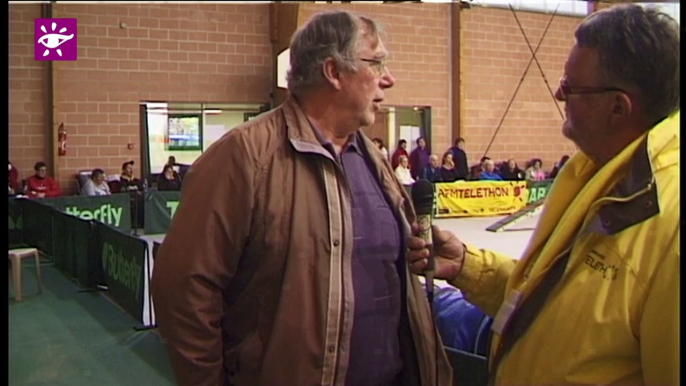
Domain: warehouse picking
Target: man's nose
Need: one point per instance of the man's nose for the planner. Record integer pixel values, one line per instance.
(387, 79)
(559, 96)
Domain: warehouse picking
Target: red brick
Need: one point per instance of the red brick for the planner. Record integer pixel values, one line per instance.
(147, 45)
(178, 57)
(128, 65)
(115, 119)
(188, 46)
(95, 140)
(149, 66)
(138, 54)
(169, 45)
(146, 22)
(77, 119)
(85, 152)
(87, 107)
(73, 164)
(37, 140)
(159, 34)
(138, 33)
(96, 118)
(129, 43)
(118, 139)
(169, 66)
(129, 130)
(108, 151)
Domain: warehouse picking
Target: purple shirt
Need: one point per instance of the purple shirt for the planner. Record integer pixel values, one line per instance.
(419, 158)
(374, 344)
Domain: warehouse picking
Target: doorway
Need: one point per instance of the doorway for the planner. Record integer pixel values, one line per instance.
(394, 123)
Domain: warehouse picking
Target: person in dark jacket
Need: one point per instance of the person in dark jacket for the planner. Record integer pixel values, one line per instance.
(169, 180)
(511, 172)
(460, 158)
(127, 181)
(559, 166)
(419, 158)
(432, 171)
(448, 172)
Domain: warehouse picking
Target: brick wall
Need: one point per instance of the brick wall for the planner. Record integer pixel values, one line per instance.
(170, 52)
(418, 38)
(222, 53)
(27, 140)
(494, 57)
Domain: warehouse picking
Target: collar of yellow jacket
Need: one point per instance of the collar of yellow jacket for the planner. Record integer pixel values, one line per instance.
(570, 203)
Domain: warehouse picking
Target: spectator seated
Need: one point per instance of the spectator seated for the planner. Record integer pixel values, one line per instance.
(474, 172)
(41, 185)
(82, 176)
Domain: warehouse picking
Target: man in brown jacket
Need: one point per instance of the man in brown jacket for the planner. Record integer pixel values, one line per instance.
(289, 269)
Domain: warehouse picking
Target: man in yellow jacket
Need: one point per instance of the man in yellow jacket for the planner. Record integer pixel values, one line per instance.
(594, 300)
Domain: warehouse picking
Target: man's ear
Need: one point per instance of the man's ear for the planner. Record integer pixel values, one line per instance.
(332, 73)
(623, 106)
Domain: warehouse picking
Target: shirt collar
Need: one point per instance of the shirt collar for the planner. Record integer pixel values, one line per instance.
(352, 143)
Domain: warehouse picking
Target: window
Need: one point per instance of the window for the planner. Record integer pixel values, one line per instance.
(183, 132)
(672, 9)
(186, 130)
(572, 8)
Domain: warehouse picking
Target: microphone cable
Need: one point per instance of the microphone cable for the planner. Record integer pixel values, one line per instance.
(424, 202)
(430, 297)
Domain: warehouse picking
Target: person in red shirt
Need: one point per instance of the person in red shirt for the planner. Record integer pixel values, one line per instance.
(41, 185)
(13, 179)
(400, 151)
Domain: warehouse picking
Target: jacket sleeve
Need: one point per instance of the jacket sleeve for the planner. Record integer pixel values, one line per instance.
(13, 181)
(199, 258)
(31, 188)
(424, 174)
(161, 183)
(53, 188)
(659, 326)
(483, 278)
(414, 163)
(394, 159)
(88, 189)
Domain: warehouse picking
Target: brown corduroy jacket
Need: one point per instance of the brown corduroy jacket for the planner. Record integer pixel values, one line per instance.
(253, 283)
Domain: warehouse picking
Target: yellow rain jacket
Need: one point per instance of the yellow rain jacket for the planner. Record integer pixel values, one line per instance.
(614, 316)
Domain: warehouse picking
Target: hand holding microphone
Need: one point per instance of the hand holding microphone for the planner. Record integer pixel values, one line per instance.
(448, 253)
(433, 252)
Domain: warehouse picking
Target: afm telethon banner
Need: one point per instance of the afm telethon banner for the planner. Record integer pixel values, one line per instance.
(486, 198)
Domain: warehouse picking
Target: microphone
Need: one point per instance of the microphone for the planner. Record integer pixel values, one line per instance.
(423, 201)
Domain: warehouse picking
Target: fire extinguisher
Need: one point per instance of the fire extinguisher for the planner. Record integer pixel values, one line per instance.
(62, 139)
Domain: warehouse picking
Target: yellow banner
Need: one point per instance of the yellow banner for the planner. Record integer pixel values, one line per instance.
(480, 198)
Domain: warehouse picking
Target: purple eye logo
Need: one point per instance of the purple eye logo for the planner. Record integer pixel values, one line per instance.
(55, 39)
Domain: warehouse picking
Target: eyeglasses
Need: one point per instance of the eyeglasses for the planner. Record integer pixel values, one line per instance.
(379, 65)
(567, 90)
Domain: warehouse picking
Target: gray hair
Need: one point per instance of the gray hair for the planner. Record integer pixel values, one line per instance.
(638, 47)
(332, 34)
